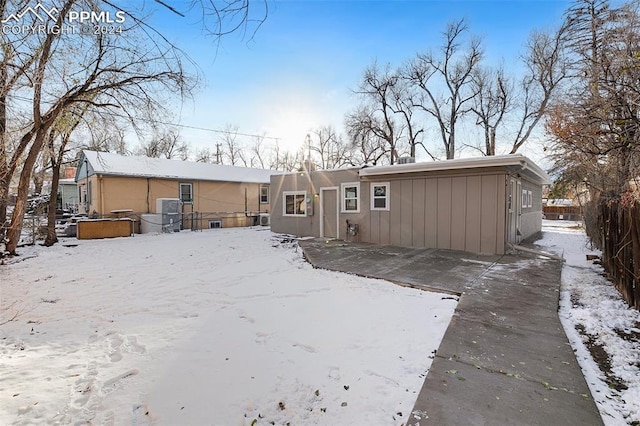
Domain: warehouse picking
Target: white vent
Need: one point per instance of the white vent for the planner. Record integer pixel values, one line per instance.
(265, 219)
(406, 160)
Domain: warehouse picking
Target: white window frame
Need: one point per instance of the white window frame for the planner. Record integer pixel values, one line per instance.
(294, 194)
(374, 197)
(262, 188)
(343, 198)
(527, 198)
(190, 192)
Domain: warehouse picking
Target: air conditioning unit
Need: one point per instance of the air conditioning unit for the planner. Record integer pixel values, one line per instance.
(264, 219)
(406, 160)
(169, 209)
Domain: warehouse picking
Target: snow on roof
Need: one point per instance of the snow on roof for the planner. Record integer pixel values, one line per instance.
(515, 161)
(106, 163)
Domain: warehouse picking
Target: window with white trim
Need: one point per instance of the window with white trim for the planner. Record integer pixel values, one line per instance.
(294, 203)
(527, 198)
(351, 197)
(264, 194)
(186, 193)
(380, 196)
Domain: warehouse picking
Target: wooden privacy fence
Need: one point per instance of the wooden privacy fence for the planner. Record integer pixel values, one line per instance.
(562, 212)
(619, 226)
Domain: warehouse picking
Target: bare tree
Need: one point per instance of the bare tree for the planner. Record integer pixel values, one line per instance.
(330, 150)
(119, 73)
(293, 161)
(451, 68)
(232, 151)
(40, 172)
(595, 127)
(165, 143)
(376, 114)
(56, 70)
(280, 159)
(275, 157)
(491, 104)
(546, 70)
(368, 147)
(104, 133)
(258, 154)
(204, 155)
(403, 105)
(56, 147)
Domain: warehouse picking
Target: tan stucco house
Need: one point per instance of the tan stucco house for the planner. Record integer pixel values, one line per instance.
(479, 205)
(223, 196)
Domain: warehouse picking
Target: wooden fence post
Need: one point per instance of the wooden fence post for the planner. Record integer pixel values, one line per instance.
(635, 238)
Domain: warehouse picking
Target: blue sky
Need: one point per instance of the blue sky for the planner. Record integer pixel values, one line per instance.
(298, 70)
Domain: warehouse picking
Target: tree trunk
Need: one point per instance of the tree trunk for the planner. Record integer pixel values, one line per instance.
(52, 238)
(4, 202)
(451, 144)
(38, 181)
(634, 217)
(17, 218)
(492, 146)
(4, 167)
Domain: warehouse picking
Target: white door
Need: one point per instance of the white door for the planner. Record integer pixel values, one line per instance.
(514, 206)
(329, 212)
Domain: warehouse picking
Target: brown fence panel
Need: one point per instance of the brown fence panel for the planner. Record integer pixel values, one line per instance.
(634, 220)
(620, 227)
(562, 212)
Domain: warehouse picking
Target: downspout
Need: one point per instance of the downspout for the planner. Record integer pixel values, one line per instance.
(246, 207)
(101, 187)
(507, 223)
(148, 195)
(86, 189)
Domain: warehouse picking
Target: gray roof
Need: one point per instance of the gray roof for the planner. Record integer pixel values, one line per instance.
(515, 162)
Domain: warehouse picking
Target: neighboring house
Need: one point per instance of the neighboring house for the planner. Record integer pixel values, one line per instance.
(479, 205)
(67, 195)
(223, 196)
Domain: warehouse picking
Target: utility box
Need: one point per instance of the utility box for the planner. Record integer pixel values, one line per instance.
(265, 219)
(151, 223)
(169, 209)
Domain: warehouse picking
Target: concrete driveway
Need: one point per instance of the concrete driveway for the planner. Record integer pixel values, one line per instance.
(505, 359)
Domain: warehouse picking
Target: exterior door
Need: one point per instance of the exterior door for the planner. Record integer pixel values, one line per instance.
(513, 211)
(329, 212)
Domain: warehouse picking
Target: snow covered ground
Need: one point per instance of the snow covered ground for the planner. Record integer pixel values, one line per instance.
(604, 332)
(226, 326)
(233, 327)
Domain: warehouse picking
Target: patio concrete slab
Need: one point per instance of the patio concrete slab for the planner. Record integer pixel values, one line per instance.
(504, 359)
(424, 268)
